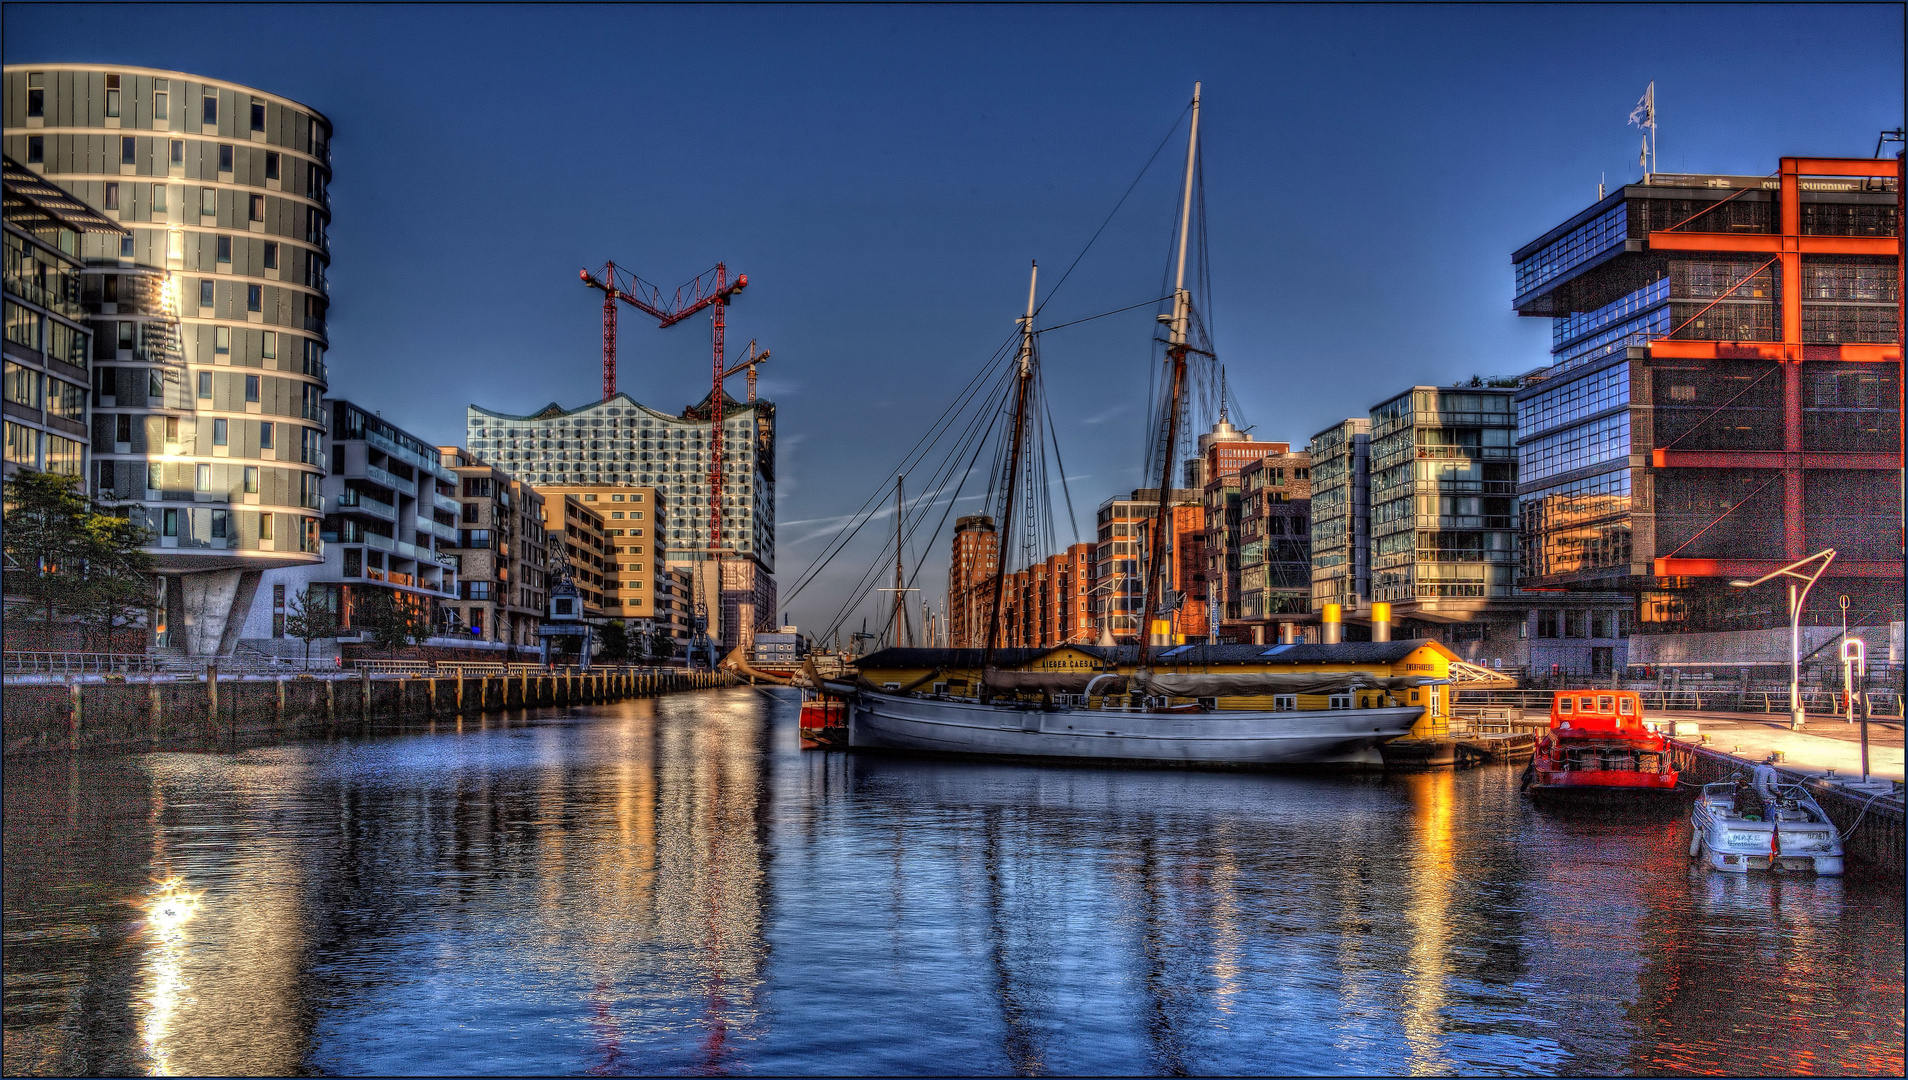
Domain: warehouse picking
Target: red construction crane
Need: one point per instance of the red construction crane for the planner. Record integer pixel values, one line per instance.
(708, 289)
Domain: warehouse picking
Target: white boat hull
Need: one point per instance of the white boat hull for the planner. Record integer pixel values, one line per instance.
(1337, 736)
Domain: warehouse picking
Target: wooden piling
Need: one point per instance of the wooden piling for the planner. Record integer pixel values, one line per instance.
(76, 698)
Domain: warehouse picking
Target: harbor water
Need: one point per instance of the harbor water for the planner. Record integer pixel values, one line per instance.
(672, 885)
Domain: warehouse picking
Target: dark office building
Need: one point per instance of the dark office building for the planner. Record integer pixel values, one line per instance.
(1723, 397)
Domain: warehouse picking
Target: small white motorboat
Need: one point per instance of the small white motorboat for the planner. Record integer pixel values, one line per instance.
(1764, 825)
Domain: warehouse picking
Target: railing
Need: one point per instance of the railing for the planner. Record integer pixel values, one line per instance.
(77, 663)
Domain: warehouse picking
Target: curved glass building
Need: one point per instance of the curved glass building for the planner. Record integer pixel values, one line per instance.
(208, 344)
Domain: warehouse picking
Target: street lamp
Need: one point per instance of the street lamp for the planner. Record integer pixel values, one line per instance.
(1794, 573)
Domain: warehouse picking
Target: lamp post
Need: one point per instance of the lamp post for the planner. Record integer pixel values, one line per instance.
(1794, 572)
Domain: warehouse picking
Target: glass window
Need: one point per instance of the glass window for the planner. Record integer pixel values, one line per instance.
(178, 151)
(170, 523)
(202, 478)
(36, 149)
(225, 157)
(126, 246)
(112, 95)
(36, 94)
(23, 325)
(268, 347)
(112, 196)
(65, 399)
(159, 198)
(209, 110)
(271, 255)
(225, 249)
(222, 526)
(126, 150)
(251, 387)
(218, 432)
(205, 385)
(264, 526)
(258, 116)
(205, 292)
(222, 341)
(160, 104)
(265, 432)
(208, 202)
(22, 385)
(254, 297)
(1566, 705)
(271, 165)
(258, 208)
(251, 479)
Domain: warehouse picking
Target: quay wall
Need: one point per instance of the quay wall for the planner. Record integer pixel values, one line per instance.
(1874, 829)
(92, 712)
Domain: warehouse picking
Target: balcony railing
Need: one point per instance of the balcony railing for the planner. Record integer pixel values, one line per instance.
(352, 499)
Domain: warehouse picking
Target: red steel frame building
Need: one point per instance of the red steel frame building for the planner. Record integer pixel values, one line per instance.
(1750, 418)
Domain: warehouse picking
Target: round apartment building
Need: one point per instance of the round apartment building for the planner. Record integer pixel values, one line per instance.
(209, 340)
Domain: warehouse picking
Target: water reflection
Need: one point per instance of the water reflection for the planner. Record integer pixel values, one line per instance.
(672, 886)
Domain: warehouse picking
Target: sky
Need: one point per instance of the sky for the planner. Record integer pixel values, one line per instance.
(884, 176)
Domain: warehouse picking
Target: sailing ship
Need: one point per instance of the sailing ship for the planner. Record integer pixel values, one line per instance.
(1156, 700)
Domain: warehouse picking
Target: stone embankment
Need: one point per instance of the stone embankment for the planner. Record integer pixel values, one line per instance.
(43, 713)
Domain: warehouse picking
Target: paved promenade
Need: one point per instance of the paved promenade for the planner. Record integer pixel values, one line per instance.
(1826, 743)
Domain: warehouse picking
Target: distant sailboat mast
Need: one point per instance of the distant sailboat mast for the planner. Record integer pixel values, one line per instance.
(1158, 551)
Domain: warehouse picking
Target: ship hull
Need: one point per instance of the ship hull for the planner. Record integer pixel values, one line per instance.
(1347, 737)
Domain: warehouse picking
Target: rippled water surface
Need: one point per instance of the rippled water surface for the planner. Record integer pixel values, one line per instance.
(672, 885)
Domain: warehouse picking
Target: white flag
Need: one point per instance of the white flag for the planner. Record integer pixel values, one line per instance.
(1643, 156)
(1644, 115)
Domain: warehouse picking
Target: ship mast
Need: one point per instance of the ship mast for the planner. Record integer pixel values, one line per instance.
(1157, 552)
(1021, 385)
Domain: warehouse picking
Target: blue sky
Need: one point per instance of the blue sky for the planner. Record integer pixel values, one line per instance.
(883, 175)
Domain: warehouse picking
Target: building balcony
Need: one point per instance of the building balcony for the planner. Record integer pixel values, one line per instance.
(350, 501)
(445, 503)
(380, 543)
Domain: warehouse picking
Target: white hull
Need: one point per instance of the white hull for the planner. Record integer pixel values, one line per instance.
(1337, 736)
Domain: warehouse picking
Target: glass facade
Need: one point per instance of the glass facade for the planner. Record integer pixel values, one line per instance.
(1576, 247)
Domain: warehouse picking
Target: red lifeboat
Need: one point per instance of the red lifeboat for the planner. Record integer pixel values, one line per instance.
(1598, 745)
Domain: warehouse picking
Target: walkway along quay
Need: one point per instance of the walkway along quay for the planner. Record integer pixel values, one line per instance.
(113, 711)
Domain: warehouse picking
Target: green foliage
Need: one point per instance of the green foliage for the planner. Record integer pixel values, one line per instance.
(68, 556)
(661, 645)
(613, 645)
(391, 622)
(310, 618)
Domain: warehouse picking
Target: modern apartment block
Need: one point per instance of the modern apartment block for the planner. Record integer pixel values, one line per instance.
(1443, 504)
(391, 523)
(1723, 398)
(633, 558)
(47, 341)
(504, 567)
(1119, 584)
(1275, 544)
(1341, 517)
(209, 339)
(618, 442)
(970, 581)
(588, 555)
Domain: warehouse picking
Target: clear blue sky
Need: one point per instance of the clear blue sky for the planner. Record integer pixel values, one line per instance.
(884, 175)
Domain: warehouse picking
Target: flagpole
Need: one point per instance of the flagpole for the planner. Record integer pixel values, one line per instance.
(1655, 162)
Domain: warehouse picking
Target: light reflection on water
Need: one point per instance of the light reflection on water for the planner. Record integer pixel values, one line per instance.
(673, 886)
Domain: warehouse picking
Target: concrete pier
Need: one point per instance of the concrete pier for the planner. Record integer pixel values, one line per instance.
(138, 711)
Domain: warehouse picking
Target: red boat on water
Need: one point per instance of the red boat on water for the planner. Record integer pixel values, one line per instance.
(1599, 747)
(824, 720)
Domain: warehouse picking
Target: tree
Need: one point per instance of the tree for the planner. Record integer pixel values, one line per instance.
(392, 622)
(661, 645)
(44, 537)
(614, 646)
(68, 555)
(117, 588)
(310, 618)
